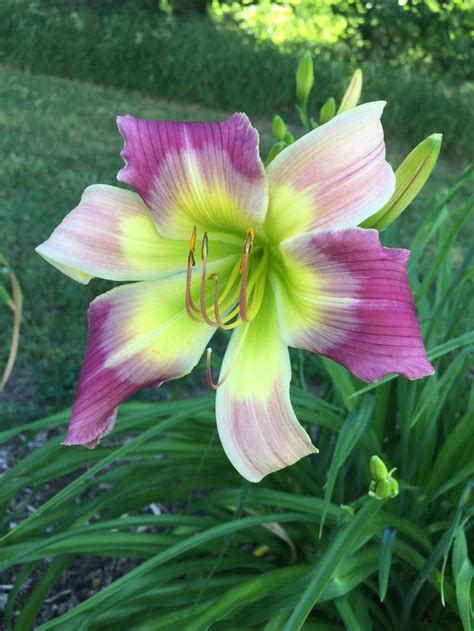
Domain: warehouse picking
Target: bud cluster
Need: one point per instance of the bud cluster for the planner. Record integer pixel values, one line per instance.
(382, 485)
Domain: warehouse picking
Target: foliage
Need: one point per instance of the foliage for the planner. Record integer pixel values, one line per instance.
(435, 32)
(305, 549)
(314, 23)
(194, 60)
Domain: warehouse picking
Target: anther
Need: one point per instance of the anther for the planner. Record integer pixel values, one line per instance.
(192, 247)
(204, 247)
(190, 306)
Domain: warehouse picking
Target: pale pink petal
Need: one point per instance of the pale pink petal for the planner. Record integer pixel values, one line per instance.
(346, 296)
(111, 234)
(139, 336)
(334, 177)
(204, 174)
(257, 426)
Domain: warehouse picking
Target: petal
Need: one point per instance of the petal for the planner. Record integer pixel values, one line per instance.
(334, 177)
(344, 295)
(204, 174)
(257, 426)
(139, 336)
(111, 234)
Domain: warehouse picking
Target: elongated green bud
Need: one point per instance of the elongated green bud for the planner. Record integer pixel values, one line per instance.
(411, 176)
(274, 151)
(378, 470)
(327, 111)
(279, 127)
(304, 78)
(352, 94)
(289, 138)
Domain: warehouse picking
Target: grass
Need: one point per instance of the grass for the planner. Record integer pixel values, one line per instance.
(306, 548)
(60, 136)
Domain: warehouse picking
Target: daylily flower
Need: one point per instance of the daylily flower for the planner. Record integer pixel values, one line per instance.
(217, 241)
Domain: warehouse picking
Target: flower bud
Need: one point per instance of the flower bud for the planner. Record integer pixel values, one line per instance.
(383, 489)
(279, 127)
(393, 487)
(378, 470)
(289, 138)
(304, 78)
(327, 111)
(274, 151)
(411, 176)
(352, 94)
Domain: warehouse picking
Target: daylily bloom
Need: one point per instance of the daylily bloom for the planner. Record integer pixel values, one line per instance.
(217, 241)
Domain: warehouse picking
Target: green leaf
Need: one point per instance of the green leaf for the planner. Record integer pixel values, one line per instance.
(386, 561)
(327, 564)
(346, 442)
(463, 574)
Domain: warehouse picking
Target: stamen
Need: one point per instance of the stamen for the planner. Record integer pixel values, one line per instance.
(192, 246)
(204, 252)
(190, 306)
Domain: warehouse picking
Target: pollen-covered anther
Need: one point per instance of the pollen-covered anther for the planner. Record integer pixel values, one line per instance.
(192, 247)
(191, 308)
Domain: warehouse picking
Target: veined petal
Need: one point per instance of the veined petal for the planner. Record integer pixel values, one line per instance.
(111, 234)
(344, 295)
(204, 174)
(139, 336)
(334, 177)
(257, 426)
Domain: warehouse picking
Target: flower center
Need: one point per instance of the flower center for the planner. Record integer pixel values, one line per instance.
(231, 306)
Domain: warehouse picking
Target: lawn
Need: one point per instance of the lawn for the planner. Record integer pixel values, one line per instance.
(60, 136)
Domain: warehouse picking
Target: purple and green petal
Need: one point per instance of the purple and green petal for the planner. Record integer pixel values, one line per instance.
(334, 177)
(343, 295)
(204, 174)
(256, 422)
(111, 235)
(139, 336)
